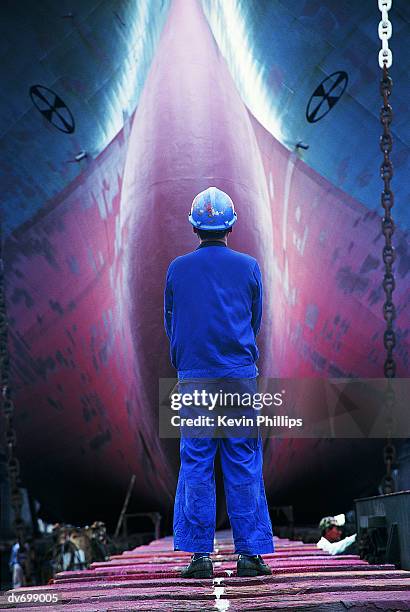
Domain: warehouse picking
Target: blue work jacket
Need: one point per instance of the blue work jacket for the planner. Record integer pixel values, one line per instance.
(212, 312)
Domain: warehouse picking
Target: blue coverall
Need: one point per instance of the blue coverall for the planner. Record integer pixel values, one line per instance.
(212, 313)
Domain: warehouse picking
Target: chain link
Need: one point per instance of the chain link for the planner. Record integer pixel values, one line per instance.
(389, 450)
(388, 227)
(13, 466)
(385, 32)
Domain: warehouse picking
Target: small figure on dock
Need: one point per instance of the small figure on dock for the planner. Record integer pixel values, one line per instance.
(331, 540)
(19, 563)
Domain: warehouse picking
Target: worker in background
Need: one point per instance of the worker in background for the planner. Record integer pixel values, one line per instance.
(212, 311)
(331, 539)
(19, 563)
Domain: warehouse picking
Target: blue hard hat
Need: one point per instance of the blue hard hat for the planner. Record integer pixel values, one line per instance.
(212, 210)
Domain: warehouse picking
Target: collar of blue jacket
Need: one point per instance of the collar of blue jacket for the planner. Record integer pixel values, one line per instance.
(207, 243)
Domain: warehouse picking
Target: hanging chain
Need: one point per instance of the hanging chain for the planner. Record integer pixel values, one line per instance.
(387, 200)
(389, 450)
(385, 32)
(389, 254)
(13, 467)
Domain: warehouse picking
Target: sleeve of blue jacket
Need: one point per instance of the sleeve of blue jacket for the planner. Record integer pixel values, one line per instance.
(257, 297)
(168, 306)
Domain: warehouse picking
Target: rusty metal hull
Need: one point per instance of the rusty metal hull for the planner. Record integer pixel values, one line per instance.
(85, 279)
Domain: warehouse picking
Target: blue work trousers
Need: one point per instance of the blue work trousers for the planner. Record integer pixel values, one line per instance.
(195, 502)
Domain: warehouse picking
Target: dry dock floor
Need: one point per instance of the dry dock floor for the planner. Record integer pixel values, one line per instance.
(303, 578)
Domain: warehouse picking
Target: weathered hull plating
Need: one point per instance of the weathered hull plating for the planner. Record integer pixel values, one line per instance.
(85, 280)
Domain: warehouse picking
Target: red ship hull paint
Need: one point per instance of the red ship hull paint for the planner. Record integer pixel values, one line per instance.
(85, 282)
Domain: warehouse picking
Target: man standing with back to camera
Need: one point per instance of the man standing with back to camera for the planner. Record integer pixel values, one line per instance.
(212, 312)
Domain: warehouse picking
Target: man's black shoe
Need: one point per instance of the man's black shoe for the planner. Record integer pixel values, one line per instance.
(252, 566)
(198, 568)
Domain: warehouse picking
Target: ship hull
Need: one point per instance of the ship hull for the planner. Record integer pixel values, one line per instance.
(85, 283)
